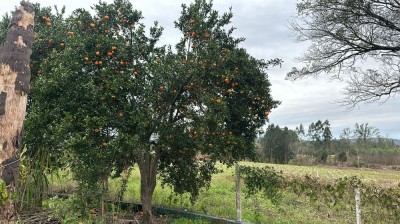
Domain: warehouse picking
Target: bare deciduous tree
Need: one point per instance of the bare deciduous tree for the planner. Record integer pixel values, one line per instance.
(348, 34)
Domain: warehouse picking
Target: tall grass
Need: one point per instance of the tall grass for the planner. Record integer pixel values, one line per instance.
(219, 200)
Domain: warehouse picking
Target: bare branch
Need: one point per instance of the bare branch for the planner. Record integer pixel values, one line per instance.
(345, 33)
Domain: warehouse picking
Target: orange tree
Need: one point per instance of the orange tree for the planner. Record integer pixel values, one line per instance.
(108, 96)
(79, 96)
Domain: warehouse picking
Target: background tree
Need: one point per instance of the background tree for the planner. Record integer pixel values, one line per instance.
(278, 143)
(363, 134)
(346, 32)
(320, 136)
(301, 132)
(301, 146)
(345, 144)
(14, 86)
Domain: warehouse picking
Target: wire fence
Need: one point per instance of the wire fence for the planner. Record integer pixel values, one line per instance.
(228, 197)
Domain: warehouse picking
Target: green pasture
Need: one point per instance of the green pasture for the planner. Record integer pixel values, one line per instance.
(219, 199)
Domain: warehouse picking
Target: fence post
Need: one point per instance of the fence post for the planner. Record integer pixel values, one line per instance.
(358, 205)
(238, 194)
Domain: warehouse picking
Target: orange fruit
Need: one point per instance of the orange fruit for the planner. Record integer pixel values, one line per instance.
(92, 25)
(106, 17)
(97, 53)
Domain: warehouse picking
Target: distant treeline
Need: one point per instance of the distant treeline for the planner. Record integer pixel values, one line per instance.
(359, 146)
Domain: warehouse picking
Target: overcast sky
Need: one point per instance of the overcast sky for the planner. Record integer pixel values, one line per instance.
(265, 25)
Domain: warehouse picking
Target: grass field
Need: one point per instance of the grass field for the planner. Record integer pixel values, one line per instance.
(219, 200)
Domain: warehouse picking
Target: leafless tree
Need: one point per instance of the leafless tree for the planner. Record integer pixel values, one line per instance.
(357, 39)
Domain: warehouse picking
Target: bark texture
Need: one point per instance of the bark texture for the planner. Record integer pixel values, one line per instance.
(14, 86)
(148, 165)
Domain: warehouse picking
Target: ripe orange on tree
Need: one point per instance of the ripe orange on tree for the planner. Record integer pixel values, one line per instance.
(226, 81)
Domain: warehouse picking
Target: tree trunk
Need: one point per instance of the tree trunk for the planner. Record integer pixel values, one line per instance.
(14, 86)
(148, 165)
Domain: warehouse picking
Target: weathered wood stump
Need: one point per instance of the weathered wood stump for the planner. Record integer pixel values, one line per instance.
(15, 76)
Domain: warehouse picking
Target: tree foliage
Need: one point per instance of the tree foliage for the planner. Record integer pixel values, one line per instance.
(277, 143)
(320, 134)
(107, 96)
(346, 32)
(365, 134)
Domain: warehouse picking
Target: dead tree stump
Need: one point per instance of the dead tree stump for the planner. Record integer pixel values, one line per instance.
(15, 76)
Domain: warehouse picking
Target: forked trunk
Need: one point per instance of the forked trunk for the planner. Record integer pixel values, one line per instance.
(148, 164)
(14, 87)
